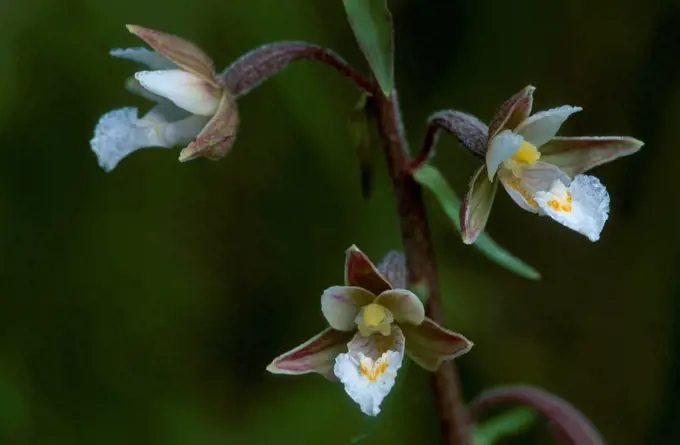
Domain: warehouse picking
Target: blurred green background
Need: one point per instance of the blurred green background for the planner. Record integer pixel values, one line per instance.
(142, 306)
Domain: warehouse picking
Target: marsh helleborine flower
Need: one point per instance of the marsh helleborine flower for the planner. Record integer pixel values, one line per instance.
(373, 322)
(542, 173)
(192, 107)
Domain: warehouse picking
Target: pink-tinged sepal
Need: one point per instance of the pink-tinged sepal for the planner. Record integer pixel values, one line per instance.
(476, 207)
(218, 136)
(361, 272)
(512, 112)
(576, 155)
(181, 52)
(318, 355)
(428, 344)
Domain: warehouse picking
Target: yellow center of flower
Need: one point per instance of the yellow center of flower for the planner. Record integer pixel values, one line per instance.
(527, 153)
(561, 202)
(374, 318)
(374, 314)
(372, 370)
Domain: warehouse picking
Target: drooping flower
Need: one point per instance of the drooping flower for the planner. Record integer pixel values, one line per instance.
(542, 173)
(373, 322)
(192, 107)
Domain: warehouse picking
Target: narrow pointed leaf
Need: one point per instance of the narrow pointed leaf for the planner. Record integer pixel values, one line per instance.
(509, 423)
(477, 205)
(433, 180)
(363, 131)
(371, 23)
(568, 423)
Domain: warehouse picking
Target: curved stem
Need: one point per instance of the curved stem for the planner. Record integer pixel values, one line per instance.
(420, 261)
(470, 132)
(258, 65)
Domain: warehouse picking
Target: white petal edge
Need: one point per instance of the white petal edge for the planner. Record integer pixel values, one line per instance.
(144, 56)
(367, 374)
(120, 132)
(502, 147)
(589, 205)
(543, 126)
(184, 89)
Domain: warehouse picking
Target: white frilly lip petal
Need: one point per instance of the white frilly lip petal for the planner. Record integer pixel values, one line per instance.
(590, 205)
(543, 126)
(120, 132)
(142, 55)
(369, 370)
(184, 89)
(501, 147)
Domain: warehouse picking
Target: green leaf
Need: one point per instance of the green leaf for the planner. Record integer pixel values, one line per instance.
(363, 131)
(371, 22)
(431, 178)
(511, 422)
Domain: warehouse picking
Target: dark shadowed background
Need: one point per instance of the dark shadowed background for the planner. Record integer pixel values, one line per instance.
(142, 306)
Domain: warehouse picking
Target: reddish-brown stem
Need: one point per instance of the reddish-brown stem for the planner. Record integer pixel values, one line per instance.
(260, 64)
(420, 260)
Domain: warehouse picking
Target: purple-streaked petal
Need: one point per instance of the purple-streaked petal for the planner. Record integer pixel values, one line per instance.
(567, 423)
(534, 178)
(361, 272)
(377, 344)
(476, 207)
(341, 304)
(315, 355)
(513, 185)
(501, 148)
(541, 176)
(393, 267)
(578, 155)
(512, 112)
(429, 344)
(404, 305)
(541, 127)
